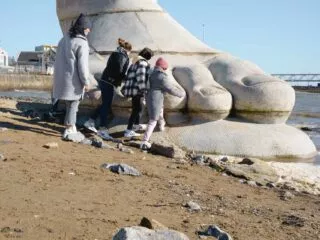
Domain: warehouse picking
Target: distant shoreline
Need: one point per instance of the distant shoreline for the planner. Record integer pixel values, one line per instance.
(307, 89)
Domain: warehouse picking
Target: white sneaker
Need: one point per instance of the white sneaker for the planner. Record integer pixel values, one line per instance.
(90, 125)
(74, 129)
(162, 127)
(104, 134)
(145, 145)
(69, 131)
(131, 134)
(140, 127)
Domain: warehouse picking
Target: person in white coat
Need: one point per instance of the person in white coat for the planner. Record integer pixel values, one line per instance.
(71, 75)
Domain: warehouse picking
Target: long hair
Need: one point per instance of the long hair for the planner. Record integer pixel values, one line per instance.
(75, 30)
(79, 26)
(124, 44)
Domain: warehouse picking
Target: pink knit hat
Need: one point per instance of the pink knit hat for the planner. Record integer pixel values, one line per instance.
(162, 63)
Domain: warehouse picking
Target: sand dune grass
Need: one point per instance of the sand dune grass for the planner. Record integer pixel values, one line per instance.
(25, 82)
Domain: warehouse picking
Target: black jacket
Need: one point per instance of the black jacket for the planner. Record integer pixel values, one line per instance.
(115, 71)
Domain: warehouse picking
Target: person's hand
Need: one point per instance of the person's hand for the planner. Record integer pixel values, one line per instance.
(86, 88)
(143, 101)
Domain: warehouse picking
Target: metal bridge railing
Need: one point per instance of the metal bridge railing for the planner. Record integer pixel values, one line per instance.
(308, 79)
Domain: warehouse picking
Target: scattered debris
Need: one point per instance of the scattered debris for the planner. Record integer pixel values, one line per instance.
(122, 169)
(51, 145)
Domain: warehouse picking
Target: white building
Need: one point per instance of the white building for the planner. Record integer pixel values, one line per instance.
(4, 59)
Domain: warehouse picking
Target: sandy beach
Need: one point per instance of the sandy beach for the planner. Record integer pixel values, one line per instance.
(62, 193)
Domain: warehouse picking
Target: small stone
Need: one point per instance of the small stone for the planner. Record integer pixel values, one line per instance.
(122, 169)
(252, 183)
(246, 161)
(2, 158)
(306, 129)
(216, 232)
(101, 144)
(3, 129)
(167, 149)
(193, 207)
(86, 141)
(127, 150)
(152, 224)
(17, 230)
(75, 137)
(180, 161)
(224, 159)
(286, 195)
(142, 233)
(51, 145)
(216, 166)
(199, 160)
(271, 185)
(5, 230)
(120, 146)
(293, 220)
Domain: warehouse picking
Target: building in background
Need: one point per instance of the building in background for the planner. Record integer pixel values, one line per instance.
(4, 62)
(4, 59)
(39, 61)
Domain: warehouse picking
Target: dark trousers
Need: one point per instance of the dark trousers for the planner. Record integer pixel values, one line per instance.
(107, 92)
(136, 112)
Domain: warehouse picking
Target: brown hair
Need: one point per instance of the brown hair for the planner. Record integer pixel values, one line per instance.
(126, 45)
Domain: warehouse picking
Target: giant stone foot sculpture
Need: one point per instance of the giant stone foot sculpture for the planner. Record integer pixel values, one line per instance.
(216, 83)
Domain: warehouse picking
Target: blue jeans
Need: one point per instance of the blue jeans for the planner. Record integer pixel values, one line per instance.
(107, 92)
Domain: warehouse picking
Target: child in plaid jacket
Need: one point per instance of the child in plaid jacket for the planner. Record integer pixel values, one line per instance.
(136, 86)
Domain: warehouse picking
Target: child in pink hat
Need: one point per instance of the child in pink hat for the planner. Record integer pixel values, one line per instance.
(159, 84)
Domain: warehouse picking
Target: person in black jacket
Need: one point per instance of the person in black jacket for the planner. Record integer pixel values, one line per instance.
(112, 76)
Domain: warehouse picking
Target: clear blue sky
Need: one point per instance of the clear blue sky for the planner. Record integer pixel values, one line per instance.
(281, 36)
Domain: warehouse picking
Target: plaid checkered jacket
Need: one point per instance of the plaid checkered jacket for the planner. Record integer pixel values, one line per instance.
(136, 82)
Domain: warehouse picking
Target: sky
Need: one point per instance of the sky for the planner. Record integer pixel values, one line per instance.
(281, 36)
